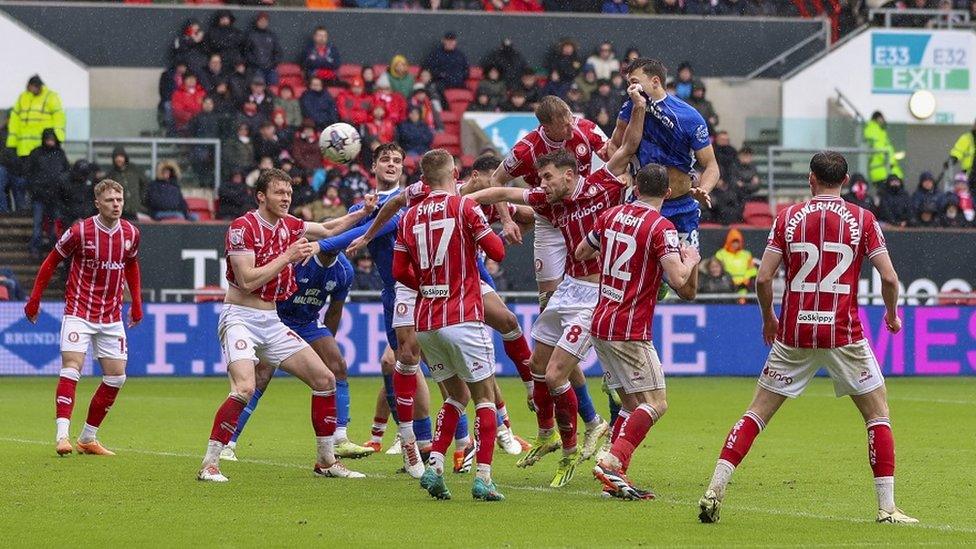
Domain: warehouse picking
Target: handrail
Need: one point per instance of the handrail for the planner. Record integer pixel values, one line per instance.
(942, 17)
(849, 105)
(154, 143)
(774, 150)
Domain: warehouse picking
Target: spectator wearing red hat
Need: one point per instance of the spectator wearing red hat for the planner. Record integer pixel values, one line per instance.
(187, 102)
(381, 127)
(354, 104)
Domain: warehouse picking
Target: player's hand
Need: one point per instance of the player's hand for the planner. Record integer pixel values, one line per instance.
(511, 232)
(701, 196)
(635, 91)
(689, 254)
(316, 248)
(770, 327)
(32, 311)
(135, 317)
(369, 203)
(299, 250)
(893, 322)
(357, 246)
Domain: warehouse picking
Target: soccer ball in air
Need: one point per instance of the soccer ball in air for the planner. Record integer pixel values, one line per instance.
(340, 142)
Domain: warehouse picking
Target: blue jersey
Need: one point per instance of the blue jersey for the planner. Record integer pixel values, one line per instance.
(317, 284)
(673, 131)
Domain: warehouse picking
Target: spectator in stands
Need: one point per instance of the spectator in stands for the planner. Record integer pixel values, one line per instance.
(133, 181)
(481, 103)
(564, 58)
(493, 86)
(36, 109)
(604, 61)
(12, 183)
(684, 81)
(498, 274)
(189, 48)
(238, 151)
(737, 261)
(895, 206)
(603, 99)
(164, 199)
(284, 132)
(261, 49)
(447, 64)
(512, 5)
(926, 194)
(329, 205)
(667, 7)
(744, 176)
(225, 106)
(212, 74)
(170, 81)
(604, 120)
(529, 86)
(321, 57)
(304, 147)
(261, 97)
(429, 108)
(187, 102)
(726, 207)
(240, 82)
(701, 7)
(615, 6)
(713, 279)
(963, 152)
(398, 74)
(264, 164)
(317, 104)
(77, 193)
(380, 126)
(224, 38)
(587, 82)
(266, 143)
(645, 7)
(725, 153)
(768, 8)
(251, 116)
(235, 198)
(206, 124)
(517, 102)
(574, 98)
(881, 165)
(425, 80)
(960, 189)
(414, 135)
(703, 106)
(302, 195)
(860, 194)
(45, 167)
(927, 217)
(731, 7)
(365, 276)
(509, 62)
(393, 103)
(354, 104)
(951, 217)
(368, 76)
(556, 86)
(292, 108)
(9, 282)
(915, 19)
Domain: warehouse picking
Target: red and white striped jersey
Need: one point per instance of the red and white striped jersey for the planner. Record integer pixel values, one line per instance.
(440, 235)
(585, 141)
(98, 257)
(417, 191)
(823, 242)
(574, 216)
(252, 234)
(632, 239)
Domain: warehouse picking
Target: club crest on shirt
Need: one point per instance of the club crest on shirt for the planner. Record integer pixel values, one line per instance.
(581, 150)
(592, 191)
(671, 238)
(236, 237)
(127, 245)
(330, 285)
(282, 233)
(701, 132)
(511, 162)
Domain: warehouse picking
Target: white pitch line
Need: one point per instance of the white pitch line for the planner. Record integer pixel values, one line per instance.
(541, 489)
(908, 399)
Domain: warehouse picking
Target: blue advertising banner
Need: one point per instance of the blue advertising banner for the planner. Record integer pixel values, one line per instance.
(692, 339)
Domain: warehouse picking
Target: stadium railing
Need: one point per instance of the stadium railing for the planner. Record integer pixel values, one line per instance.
(943, 19)
(199, 159)
(787, 170)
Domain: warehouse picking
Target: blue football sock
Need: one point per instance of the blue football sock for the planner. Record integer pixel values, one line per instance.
(461, 432)
(342, 402)
(246, 414)
(422, 429)
(614, 410)
(390, 397)
(586, 410)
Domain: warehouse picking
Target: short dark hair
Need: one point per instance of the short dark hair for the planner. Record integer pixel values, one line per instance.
(387, 148)
(559, 158)
(486, 163)
(652, 181)
(650, 67)
(268, 177)
(829, 167)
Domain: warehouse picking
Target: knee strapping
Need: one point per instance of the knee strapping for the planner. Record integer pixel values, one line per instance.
(407, 369)
(71, 373)
(513, 335)
(114, 381)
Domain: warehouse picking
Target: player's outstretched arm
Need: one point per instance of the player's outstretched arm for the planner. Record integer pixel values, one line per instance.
(510, 229)
(616, 138)
(764, 293)
(632, 135)
(47, 270)
(385, 214)
(333, 227)
(250, 278)
(589, 247)
(495, 195)
(889, 290)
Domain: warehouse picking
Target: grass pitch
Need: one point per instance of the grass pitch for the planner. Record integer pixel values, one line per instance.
(806, 481)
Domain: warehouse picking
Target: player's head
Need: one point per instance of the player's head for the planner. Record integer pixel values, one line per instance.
(651, 74)
(483, 167)
(437, 167)
(652, 182)
(109, 199)
(273, 192)
(556, 118)
(388, 165)
(828, 172)
(558, 174)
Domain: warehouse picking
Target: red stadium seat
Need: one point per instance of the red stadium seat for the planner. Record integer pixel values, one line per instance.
(450, 117)
(4, 293)
(414, 70)
(472, 85)
(349, 70)
(450, 142)
(458, 106)
(201, 207)
(467, 160)
(379, 69)
(458, 95)
(757, 214)
(290, 69)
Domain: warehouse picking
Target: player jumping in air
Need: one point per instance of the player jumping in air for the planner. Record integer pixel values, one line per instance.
(261, 247)
(571, 202)
(103, 252)
(638, 245)
(823, 242)
(436, 255)
(324, 277)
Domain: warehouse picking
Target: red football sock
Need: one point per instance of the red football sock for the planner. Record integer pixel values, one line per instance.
(881, 447)
(632, 433)
(225, 422)
(622, 416)
(100, 404)
(544, 406)
(518, 351)
(485, 429)
(405, 389)
(64, 400)
(447, 420)
(740, 438)
(567, 407)
(324, 413)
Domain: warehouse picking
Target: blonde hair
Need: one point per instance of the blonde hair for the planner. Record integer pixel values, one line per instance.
(550, 107)
(108, 185)
(436, 166)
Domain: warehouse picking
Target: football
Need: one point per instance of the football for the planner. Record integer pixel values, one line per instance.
(340, 142)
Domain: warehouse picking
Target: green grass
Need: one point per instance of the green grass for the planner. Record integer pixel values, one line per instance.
(806, 481)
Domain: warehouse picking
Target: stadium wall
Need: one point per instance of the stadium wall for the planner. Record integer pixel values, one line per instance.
(140, 36)
(692, 340)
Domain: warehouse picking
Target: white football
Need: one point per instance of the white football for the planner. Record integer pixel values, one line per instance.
(340, 142)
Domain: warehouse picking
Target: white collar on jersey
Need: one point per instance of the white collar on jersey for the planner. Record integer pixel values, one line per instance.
(549, 142)
(319, 261)
(643, 204)
(390, 191)
(263, 221)
(101, 226)
(827, 197)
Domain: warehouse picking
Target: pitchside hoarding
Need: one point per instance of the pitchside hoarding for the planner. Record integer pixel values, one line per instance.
(694, 339)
